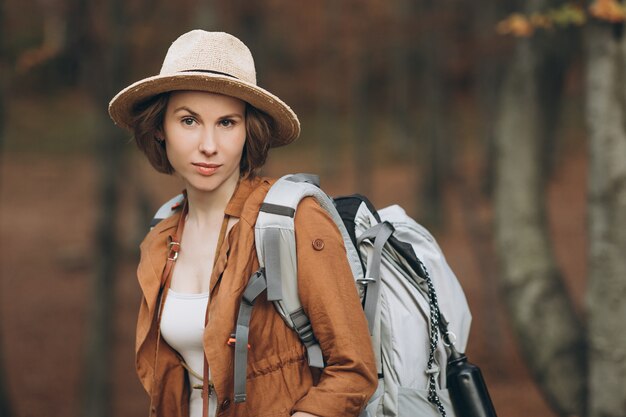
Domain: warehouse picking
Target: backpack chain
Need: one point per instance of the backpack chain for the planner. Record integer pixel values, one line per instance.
(435, 318)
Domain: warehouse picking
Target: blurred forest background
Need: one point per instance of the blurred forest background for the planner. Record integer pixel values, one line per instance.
(511, 149)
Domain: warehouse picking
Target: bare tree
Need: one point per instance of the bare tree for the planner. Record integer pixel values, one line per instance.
(551, 337)
(606, 121)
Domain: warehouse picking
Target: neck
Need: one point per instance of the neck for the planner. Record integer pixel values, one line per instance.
(208, 207)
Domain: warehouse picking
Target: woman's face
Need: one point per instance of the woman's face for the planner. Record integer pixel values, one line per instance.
(204, 135)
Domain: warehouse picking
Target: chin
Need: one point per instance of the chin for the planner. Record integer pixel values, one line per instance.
(205, 188)
(207, 185)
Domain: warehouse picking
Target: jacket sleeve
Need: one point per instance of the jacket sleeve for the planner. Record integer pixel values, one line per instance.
(330, 299)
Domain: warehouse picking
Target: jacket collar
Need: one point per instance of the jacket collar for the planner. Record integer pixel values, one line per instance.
(156, 241)
(234, 207)
(244, 188)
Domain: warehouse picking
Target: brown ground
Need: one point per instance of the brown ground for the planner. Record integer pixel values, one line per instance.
(47, 209)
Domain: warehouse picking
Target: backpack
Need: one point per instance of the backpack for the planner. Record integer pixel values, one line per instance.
(413, 302)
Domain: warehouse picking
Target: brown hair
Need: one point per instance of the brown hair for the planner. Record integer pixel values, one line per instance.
(147, 122)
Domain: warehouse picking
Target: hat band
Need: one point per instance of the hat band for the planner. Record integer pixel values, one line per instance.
(210, 72)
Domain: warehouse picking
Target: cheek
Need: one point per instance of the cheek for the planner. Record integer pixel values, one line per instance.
(167, 128)
(172, 158)
(177, 149)
(236, 143)
(180, 140)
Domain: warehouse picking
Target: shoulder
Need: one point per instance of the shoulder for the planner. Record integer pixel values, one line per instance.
(314, 223)
(309, 211)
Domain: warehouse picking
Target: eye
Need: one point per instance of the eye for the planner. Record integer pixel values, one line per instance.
(188, 121)
(226, 122)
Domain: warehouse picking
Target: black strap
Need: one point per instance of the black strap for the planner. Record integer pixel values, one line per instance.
(277, 209)
(210, 72)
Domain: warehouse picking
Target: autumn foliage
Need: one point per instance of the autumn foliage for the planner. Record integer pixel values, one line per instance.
(609, 10)
(522, 25)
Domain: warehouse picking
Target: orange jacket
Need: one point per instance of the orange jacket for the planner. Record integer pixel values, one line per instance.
(279, 381)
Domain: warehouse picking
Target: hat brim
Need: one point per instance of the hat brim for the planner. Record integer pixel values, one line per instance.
(286, 124)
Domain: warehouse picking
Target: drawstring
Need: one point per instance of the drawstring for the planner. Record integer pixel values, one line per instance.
(197, 376)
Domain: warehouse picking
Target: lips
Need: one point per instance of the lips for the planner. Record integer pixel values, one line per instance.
(206, 169)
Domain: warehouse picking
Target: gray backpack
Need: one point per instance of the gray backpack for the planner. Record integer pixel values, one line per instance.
(413, 303)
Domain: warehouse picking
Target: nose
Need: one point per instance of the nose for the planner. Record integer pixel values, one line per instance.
(207, 143)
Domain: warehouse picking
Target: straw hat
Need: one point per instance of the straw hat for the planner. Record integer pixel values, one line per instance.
(215, 62)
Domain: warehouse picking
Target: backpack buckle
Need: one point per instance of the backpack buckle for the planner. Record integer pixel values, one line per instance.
(173, 247)
(365, 280)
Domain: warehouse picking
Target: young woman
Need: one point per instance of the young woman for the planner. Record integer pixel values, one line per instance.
(204, 119)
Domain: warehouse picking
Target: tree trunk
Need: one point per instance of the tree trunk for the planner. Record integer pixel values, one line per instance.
(488, 72)
(105, 65)
(250, 26)
(433, 153)
(402, 134)
(550, 336)
(5, 403)
(5, 406)
(606, 121)
(362, 118)
(204, 15)
(327, 109)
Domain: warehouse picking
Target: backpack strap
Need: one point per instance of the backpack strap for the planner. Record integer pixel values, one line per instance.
(280, 264)
(278, 273)
(256, 285)
(276, 250)
(379, 235)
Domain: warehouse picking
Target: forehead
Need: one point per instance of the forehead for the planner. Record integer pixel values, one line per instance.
(202, 101)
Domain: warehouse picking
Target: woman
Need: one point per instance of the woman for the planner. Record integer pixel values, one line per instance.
(204, 119)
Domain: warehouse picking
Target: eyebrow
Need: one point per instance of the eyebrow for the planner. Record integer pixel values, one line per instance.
(233, 115)
(193, 113)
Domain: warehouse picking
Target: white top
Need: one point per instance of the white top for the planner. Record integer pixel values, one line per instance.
(182, 327)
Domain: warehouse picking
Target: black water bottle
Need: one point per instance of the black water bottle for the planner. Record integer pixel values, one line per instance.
(467, 388)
